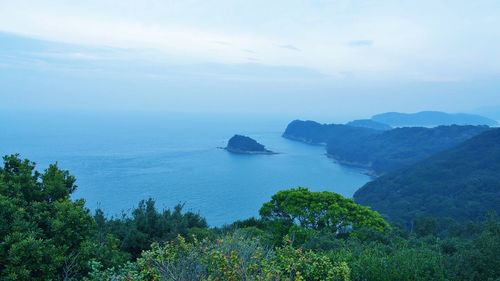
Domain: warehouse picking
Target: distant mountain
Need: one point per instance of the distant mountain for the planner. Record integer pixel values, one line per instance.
(369, 123)
(315, 133)
(431, 119)
(398, 148)
(462, 183)
(492, 112)
(246, 145)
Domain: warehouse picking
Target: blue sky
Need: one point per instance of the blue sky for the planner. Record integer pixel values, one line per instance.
(304, 58)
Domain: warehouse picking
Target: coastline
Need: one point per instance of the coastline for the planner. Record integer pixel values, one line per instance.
(247, 152)
(306, 141)
(365, 169)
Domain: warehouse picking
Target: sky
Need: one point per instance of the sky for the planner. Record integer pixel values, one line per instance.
(299, 58)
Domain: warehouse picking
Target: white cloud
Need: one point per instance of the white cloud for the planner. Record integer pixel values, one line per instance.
(406, 41)
(360, 43)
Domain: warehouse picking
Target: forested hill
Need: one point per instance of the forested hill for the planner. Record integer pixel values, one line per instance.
(315, 133)
(369, 123)
(246, 145)
(431, 119)
(380, 151)
(398, 148)
(462, 183)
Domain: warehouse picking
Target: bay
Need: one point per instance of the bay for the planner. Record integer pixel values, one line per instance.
(121, 158)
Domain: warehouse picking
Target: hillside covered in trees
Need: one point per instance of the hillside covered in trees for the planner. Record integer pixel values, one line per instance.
(379, 151)
(246, 145)
(462, 183)
(398, 148)
(369, 123)
(312, 132)
(300, 235)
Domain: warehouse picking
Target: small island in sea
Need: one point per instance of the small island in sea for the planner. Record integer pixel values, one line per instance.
(246, 145)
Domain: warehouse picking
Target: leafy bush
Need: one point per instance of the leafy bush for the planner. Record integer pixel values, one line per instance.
(233, 257)
(147, 225)
(44, 235)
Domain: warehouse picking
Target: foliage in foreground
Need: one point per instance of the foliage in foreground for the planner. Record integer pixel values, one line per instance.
(238, 256)
(301, 235)
(147, 225)
(234, 257)
(44, 235)
(321, 210)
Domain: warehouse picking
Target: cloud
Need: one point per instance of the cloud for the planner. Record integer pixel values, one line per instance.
(249, 51)
(361, 43)
(224, 43)
(384, 40)
(289, 47)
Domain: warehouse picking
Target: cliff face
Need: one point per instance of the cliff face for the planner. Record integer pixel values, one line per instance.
(245, 145)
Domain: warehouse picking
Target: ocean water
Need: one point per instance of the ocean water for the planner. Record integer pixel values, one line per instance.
(119, 159)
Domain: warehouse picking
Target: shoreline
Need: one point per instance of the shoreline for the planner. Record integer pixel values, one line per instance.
(293, 138)
(365, 169)
(246, 152)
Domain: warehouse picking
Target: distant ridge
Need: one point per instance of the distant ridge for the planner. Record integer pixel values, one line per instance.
(432, 119)
(492, 112)
(370, 124)
(462, 183)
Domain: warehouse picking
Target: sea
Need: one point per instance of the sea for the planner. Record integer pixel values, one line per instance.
(119, 159)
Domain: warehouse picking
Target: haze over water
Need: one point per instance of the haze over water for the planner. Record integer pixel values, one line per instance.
(119, 159)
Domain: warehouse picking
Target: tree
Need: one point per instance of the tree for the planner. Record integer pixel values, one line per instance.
(320, 210)
(44, 235)
(148, 225)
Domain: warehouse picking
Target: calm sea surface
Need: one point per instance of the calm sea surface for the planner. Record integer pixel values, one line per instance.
(119, 159)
